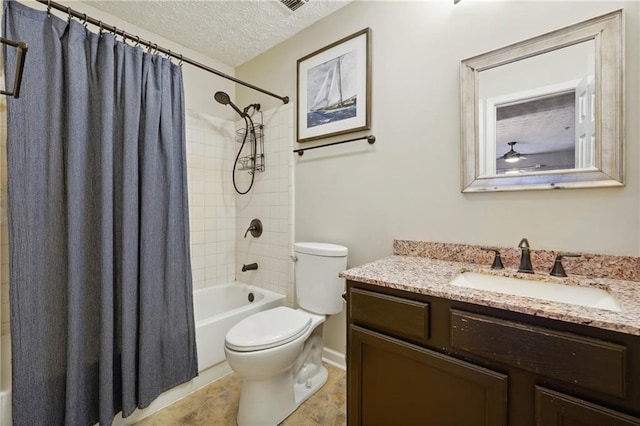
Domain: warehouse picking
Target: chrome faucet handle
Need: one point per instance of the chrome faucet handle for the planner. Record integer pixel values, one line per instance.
(497, 260)
(558, 269)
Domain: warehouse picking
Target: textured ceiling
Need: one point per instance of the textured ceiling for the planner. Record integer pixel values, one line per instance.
(539, 126)
(230, 31)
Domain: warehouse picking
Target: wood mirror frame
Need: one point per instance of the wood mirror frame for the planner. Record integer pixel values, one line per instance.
(607, 32)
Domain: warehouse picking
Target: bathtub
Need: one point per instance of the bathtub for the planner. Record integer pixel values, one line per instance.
(216, 310)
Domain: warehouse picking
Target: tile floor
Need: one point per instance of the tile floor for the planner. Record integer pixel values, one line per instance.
(217, 404)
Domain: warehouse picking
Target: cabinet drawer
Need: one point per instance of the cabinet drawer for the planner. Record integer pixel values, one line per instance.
(554, 409)
(395, 315)
(558, 355)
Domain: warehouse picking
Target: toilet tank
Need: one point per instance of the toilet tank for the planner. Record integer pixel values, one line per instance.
(318, 287)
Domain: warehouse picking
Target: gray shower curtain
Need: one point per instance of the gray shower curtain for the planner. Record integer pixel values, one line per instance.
(100, 276)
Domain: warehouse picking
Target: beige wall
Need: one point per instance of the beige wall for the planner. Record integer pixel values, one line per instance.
(408, 184)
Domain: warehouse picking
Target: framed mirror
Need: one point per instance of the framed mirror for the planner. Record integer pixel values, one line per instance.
(546, 113)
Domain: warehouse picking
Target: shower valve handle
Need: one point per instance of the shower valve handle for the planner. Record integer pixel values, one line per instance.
(255, 227)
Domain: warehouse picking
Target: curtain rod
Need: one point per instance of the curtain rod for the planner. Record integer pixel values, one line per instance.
(150, 45)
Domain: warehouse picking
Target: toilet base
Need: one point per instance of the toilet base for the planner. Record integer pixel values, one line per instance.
(302, 392)
(284, 397)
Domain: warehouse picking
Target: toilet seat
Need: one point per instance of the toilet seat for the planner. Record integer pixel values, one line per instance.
(267, 329)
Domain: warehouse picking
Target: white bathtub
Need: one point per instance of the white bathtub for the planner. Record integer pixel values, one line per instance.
(216, 310)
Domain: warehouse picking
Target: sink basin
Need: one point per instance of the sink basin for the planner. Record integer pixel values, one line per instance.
(575, 295)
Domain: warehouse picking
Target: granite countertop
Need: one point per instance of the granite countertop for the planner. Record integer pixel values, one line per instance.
(432, 277)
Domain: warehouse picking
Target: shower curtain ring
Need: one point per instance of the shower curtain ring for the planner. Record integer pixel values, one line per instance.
(84, 20)
(169, 55)
(48, 8)
(180, 63)
(101, 29)
(137, 41)
(69, 12)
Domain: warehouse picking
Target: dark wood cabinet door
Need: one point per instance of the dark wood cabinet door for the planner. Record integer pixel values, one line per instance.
(392, 382)
(557, 409)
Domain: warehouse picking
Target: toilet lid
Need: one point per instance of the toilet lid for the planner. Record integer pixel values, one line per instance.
(266, 329)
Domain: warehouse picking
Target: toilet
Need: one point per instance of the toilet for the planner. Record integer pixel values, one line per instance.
(278, 352)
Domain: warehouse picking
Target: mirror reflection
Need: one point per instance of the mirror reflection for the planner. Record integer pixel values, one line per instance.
(538, 113)
(546, 113)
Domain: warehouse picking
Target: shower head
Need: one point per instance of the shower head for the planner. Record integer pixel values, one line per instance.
(224, 99)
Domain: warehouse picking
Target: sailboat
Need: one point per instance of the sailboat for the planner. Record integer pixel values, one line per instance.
(330, 94)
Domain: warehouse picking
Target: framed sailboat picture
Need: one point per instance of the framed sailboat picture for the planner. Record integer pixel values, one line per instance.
(334, 88)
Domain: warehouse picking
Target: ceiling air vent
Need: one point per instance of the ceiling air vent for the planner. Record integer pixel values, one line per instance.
(293, 5)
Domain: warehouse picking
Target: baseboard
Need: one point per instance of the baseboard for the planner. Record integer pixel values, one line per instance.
(335, 358)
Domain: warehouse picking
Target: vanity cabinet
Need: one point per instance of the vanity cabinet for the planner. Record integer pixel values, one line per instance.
(398, 383)
(420, 360)
(555, 408)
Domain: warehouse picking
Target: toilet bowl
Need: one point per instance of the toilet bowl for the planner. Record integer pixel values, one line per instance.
(278, 352)
(270, 391)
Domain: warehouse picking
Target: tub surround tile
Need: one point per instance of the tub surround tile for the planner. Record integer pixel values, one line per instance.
(411, 269)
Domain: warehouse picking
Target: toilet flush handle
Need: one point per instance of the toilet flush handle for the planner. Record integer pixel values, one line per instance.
(294, 258)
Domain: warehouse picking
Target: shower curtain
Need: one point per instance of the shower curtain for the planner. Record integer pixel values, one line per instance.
(100, 276)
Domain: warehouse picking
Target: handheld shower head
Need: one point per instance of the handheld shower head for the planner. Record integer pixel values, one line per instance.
(224, 99)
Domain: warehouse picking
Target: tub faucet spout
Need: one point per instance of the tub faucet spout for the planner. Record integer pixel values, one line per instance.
(249, 267)
(525, 258)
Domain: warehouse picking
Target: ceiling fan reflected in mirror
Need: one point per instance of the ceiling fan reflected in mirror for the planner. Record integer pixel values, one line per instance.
(512, 155)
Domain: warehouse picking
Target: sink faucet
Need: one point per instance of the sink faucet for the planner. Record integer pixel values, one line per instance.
(525, 258)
